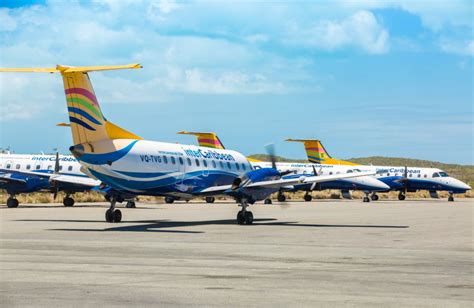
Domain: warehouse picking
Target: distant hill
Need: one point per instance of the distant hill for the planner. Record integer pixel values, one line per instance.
(464, 173)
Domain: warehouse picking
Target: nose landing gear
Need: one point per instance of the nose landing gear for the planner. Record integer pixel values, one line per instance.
(374, 197)
(451, 197)
(308, 197)
(113, 215)
(12, 202)
(366, 198)
(401, 196)
(244, 216)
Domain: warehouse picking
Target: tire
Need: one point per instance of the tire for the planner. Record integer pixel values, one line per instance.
(248, 218)
(240, 218)
(308, 198)
(450, 198)
(366, 199)
(282, 198)
(210, 199)
(130, 205)
(109, 216)
(117, 216)
(374, 197)
(401, 197)
(268, 201)
(68, 201)
(169, 200)
(12, 202)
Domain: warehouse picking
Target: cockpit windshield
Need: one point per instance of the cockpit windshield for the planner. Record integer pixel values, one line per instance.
(443, 174)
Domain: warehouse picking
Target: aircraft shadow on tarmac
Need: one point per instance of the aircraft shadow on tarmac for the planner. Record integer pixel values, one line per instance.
(165, 225)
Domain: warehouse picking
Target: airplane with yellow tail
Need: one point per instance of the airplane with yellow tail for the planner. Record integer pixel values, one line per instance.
(131, 165)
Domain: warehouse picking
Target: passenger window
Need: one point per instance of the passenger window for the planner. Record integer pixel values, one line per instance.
(222, 165)
(69, 168)
(28, 167)
(229, 166)
(436, 175)
(189, 162)
(410, 175)
(214, 164)
(244, 167)
(197, 162)
(173, 161)
(50, 167)
(165, 159)
(425, 176)
(181, 160)
(419, 175)
(18, 166)
(204, 162)
(38, 167)
(60, 167)
(237, 166)
(388, 174)
(9, 166)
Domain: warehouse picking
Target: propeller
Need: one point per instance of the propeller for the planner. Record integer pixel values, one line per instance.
(56, 171)
(270, 148)
(271, 152)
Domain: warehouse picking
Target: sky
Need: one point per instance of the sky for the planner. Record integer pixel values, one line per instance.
(368, 78)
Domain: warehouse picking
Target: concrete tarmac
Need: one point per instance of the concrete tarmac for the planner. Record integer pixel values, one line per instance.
(322, 253)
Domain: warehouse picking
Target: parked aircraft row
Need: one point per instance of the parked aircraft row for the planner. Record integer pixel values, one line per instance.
(127, 166)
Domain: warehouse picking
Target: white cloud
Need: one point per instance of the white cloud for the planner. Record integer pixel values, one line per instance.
(7, 22)
(465, 48)
(361, 29)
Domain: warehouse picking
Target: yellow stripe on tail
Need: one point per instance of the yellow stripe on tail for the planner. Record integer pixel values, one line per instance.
(209, 140)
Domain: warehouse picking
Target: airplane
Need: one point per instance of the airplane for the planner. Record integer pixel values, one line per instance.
(367, 184)
(131, 165)
(30, 173)
(402, 179)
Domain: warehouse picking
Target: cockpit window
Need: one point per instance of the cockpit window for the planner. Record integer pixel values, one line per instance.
(349, 171)
(443, 174)
(436, 175)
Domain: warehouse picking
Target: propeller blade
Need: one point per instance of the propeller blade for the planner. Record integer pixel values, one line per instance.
(55, 190)
(405, 173)
(314, 171)
(271, 152)
(56, 163)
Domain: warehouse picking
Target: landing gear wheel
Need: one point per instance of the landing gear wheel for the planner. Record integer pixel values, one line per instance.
(12, 202)
(248, 218)
(267, 201)
(117, 215)
(109, 216)
(401, 197)
(451, 198)
(374, 197)
(169, 200)
(210, 199)
(68, 201)
(240, 218)
(308, 197)
(130, 205)
(366, 199)
(281, 198)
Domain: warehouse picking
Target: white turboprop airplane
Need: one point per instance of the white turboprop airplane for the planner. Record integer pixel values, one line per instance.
(131, 165)
(21, 173)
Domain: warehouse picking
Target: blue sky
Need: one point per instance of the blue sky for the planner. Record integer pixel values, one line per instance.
(392, 78)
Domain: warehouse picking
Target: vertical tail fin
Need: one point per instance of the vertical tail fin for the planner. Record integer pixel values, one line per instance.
(209, 140)
(87, 121)
(317, 154)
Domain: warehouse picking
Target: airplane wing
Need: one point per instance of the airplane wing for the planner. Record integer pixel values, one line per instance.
(62, 178)
(7, 178)
(72, 179)
(284, 183)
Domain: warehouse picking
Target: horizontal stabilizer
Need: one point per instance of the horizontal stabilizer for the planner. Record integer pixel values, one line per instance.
(70, 69)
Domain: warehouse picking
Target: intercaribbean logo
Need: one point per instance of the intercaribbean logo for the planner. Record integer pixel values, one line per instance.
(209, 154)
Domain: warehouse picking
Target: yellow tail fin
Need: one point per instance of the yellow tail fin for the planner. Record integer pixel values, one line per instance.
(209, 140)
(317, 153)
(87, 121)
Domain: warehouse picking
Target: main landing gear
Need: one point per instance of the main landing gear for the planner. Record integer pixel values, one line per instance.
(268, 201)
(169, 199)
(374, 197)
(68, 201)
(308, 197)
(281, 197)
(12, 202)
(366, 198)
(113, 215)
(244, 216)
(401, 196)
(130, 204)
(451, 197)
(210, 199)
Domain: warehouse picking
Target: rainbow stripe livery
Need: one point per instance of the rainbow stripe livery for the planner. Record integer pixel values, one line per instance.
(209, 140)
